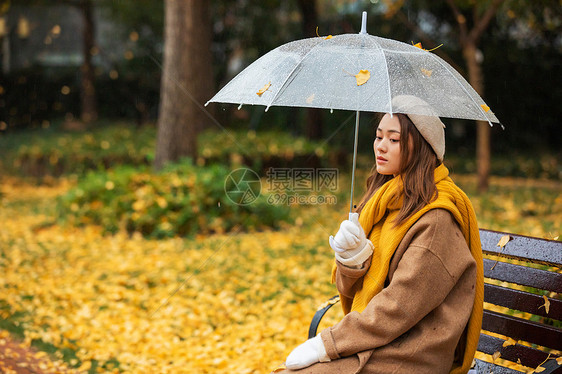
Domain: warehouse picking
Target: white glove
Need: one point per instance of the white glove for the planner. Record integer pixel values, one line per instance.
(306, 354)
(350, 243)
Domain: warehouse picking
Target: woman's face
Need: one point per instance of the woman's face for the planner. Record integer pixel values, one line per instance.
(387, 146)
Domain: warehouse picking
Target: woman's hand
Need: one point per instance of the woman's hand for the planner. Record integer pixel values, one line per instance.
(306, 354)
(350, 243)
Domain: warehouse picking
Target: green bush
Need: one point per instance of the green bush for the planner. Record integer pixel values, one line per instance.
(514, 165)
(54, 152)
(181, 200)
(261, 150)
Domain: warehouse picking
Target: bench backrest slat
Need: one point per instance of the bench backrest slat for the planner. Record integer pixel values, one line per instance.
(522, 275)
(534, 249)
(523, 301)
(520, 329)
(529, 252)
(529, 356)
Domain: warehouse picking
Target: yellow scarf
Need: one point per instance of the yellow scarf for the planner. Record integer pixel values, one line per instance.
(386, 238)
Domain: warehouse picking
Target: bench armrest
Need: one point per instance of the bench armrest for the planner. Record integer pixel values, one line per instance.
(319, 314)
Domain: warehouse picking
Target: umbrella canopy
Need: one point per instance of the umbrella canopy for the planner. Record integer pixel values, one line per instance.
(357, 72)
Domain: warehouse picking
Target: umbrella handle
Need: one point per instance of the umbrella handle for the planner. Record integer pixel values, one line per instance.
(354, 161)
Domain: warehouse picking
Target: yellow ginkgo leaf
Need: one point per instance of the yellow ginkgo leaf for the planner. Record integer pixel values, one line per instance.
(495, 356)
(85, 366)
(326, 38)
(559, 360)
(426, 72)
(509, 342)
(519, 361)
(485, 107)
(362, 77)
(503, 241)
(263, 89)
(419, 45)
(279, 368)
(539, 369)
(546, 304)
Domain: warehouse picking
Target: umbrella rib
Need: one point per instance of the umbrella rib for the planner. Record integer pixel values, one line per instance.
(388, 78)
(463, 88)
(289, 75)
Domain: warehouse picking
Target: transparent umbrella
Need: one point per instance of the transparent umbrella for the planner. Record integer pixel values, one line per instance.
(358, 72)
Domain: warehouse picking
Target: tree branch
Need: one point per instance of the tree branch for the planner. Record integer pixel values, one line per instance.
(461, 20)
(483, 23)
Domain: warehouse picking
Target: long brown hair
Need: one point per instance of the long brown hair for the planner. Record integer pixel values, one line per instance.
(417, 164)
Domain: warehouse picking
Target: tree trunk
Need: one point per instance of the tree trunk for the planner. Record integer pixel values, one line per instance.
(309, 24)
(186, 79)
(483, 129)
(88, 92)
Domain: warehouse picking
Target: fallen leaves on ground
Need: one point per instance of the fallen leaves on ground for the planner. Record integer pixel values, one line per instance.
(17, 358)
(222, 303)
(237, 303)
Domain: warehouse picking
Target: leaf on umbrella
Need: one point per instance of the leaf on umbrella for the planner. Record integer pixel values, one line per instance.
(263, 89)
(310, 99)
(485, 107)
(326, 38)
(546, 304)
(539, 369)
(504, 240)
(419, 45)
(362, 77)
(426, 72)
(495, 356)
(559, 360)
(509, 342)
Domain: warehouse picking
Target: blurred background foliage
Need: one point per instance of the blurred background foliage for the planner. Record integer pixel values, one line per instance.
(520, 56)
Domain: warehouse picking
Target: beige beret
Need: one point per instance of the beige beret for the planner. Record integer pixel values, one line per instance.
(424, 118)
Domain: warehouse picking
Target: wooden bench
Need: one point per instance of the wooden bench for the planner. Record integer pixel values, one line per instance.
(525, 276)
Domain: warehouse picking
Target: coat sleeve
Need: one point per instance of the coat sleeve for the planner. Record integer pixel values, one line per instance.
(419, 284)
(348, 280)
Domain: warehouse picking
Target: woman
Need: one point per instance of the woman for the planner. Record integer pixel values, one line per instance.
(412, 287)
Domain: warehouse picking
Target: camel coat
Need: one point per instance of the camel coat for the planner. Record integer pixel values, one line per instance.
(415, 323)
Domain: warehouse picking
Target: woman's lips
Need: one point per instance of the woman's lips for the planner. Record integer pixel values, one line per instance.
(381, 159)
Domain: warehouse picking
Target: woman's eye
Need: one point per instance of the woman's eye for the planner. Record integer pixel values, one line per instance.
(395, 140)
